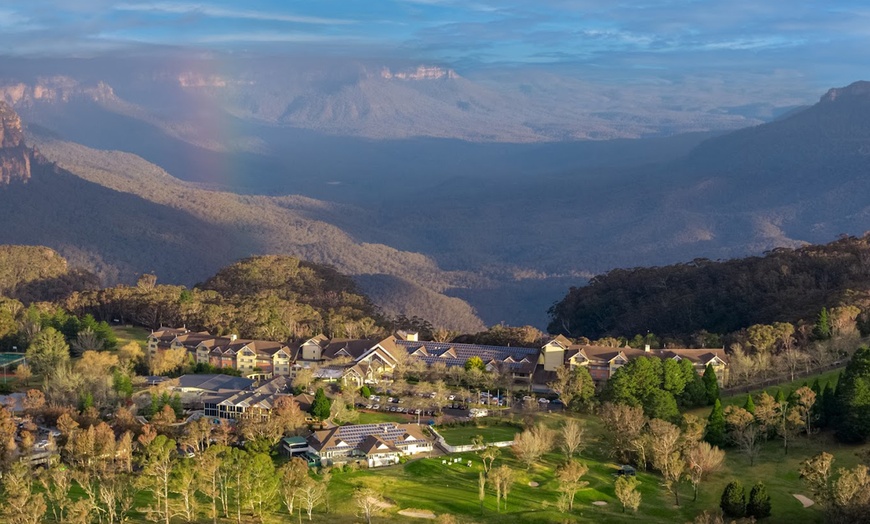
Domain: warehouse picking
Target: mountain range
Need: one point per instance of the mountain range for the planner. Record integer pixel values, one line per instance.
(456, 226)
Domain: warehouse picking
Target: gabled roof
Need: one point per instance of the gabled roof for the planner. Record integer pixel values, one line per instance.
(374, 444)
(262, 397)
(353, 348)
(390, 433)
(560, 340)
(602, 354)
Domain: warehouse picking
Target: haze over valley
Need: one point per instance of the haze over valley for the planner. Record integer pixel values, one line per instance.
(461, 187)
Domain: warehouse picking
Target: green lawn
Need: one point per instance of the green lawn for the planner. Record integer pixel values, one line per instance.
(462, 435)
(128, 334)
(427, 484)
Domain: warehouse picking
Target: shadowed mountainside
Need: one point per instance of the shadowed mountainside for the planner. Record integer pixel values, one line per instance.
(122, 216)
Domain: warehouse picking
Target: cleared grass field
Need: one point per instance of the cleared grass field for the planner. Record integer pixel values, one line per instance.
(462, 435)
(127, 334)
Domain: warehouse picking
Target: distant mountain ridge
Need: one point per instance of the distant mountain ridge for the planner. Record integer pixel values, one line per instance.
(365, 99)
(522, 220)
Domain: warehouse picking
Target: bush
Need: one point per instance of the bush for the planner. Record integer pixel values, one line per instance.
(733, 501)
(759, 502)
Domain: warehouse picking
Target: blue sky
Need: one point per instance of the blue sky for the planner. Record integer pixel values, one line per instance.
(823, 39)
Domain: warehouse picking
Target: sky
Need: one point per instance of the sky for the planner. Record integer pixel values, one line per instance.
(823, 40)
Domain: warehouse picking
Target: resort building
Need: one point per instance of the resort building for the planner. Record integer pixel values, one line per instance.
(377, 444)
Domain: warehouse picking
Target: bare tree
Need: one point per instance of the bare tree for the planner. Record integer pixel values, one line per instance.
(623, 424)
(56, 481)
(311, 495)
(788, 423)
(530, 445)
(667, 455)
(701, 460)
(21, 505)
(743, 432)
(369, 502)
(157, 475)
(116, 496)
(293, 475)
(569, 476)
(571, 437)
(502, 478)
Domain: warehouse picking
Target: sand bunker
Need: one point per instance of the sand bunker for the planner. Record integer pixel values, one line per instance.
(533, 484)
(804, 500)
(599, 503)
(417, 513)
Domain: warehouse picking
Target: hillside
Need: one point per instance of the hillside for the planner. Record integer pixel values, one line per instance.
(480, 222)
(267, 297)
(35, 273)
(678, 300)
(127, 217)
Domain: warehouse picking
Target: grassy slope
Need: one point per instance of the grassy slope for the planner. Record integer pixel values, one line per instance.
(245, 225)
(427, 484)
(461, 435)
(127, 334)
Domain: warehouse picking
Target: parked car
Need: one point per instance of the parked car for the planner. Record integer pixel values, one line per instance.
(376, 407)
(543, 401)
(626, 470)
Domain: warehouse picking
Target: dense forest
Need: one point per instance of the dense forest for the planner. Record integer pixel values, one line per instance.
(36, 273)
(784, 285)
(269, 297)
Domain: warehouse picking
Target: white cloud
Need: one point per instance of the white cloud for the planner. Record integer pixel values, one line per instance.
(220, 12)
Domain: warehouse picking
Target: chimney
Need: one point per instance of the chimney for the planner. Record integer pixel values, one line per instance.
(646, 349)
(233, 337)
(409, 336)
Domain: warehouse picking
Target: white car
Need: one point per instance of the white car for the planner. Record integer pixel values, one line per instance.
(451, 397)
(543, 401)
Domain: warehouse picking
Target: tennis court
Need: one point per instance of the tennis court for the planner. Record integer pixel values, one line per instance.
(11, 358)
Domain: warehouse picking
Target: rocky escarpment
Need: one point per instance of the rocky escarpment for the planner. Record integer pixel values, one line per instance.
(15, 156)
(860, 88)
